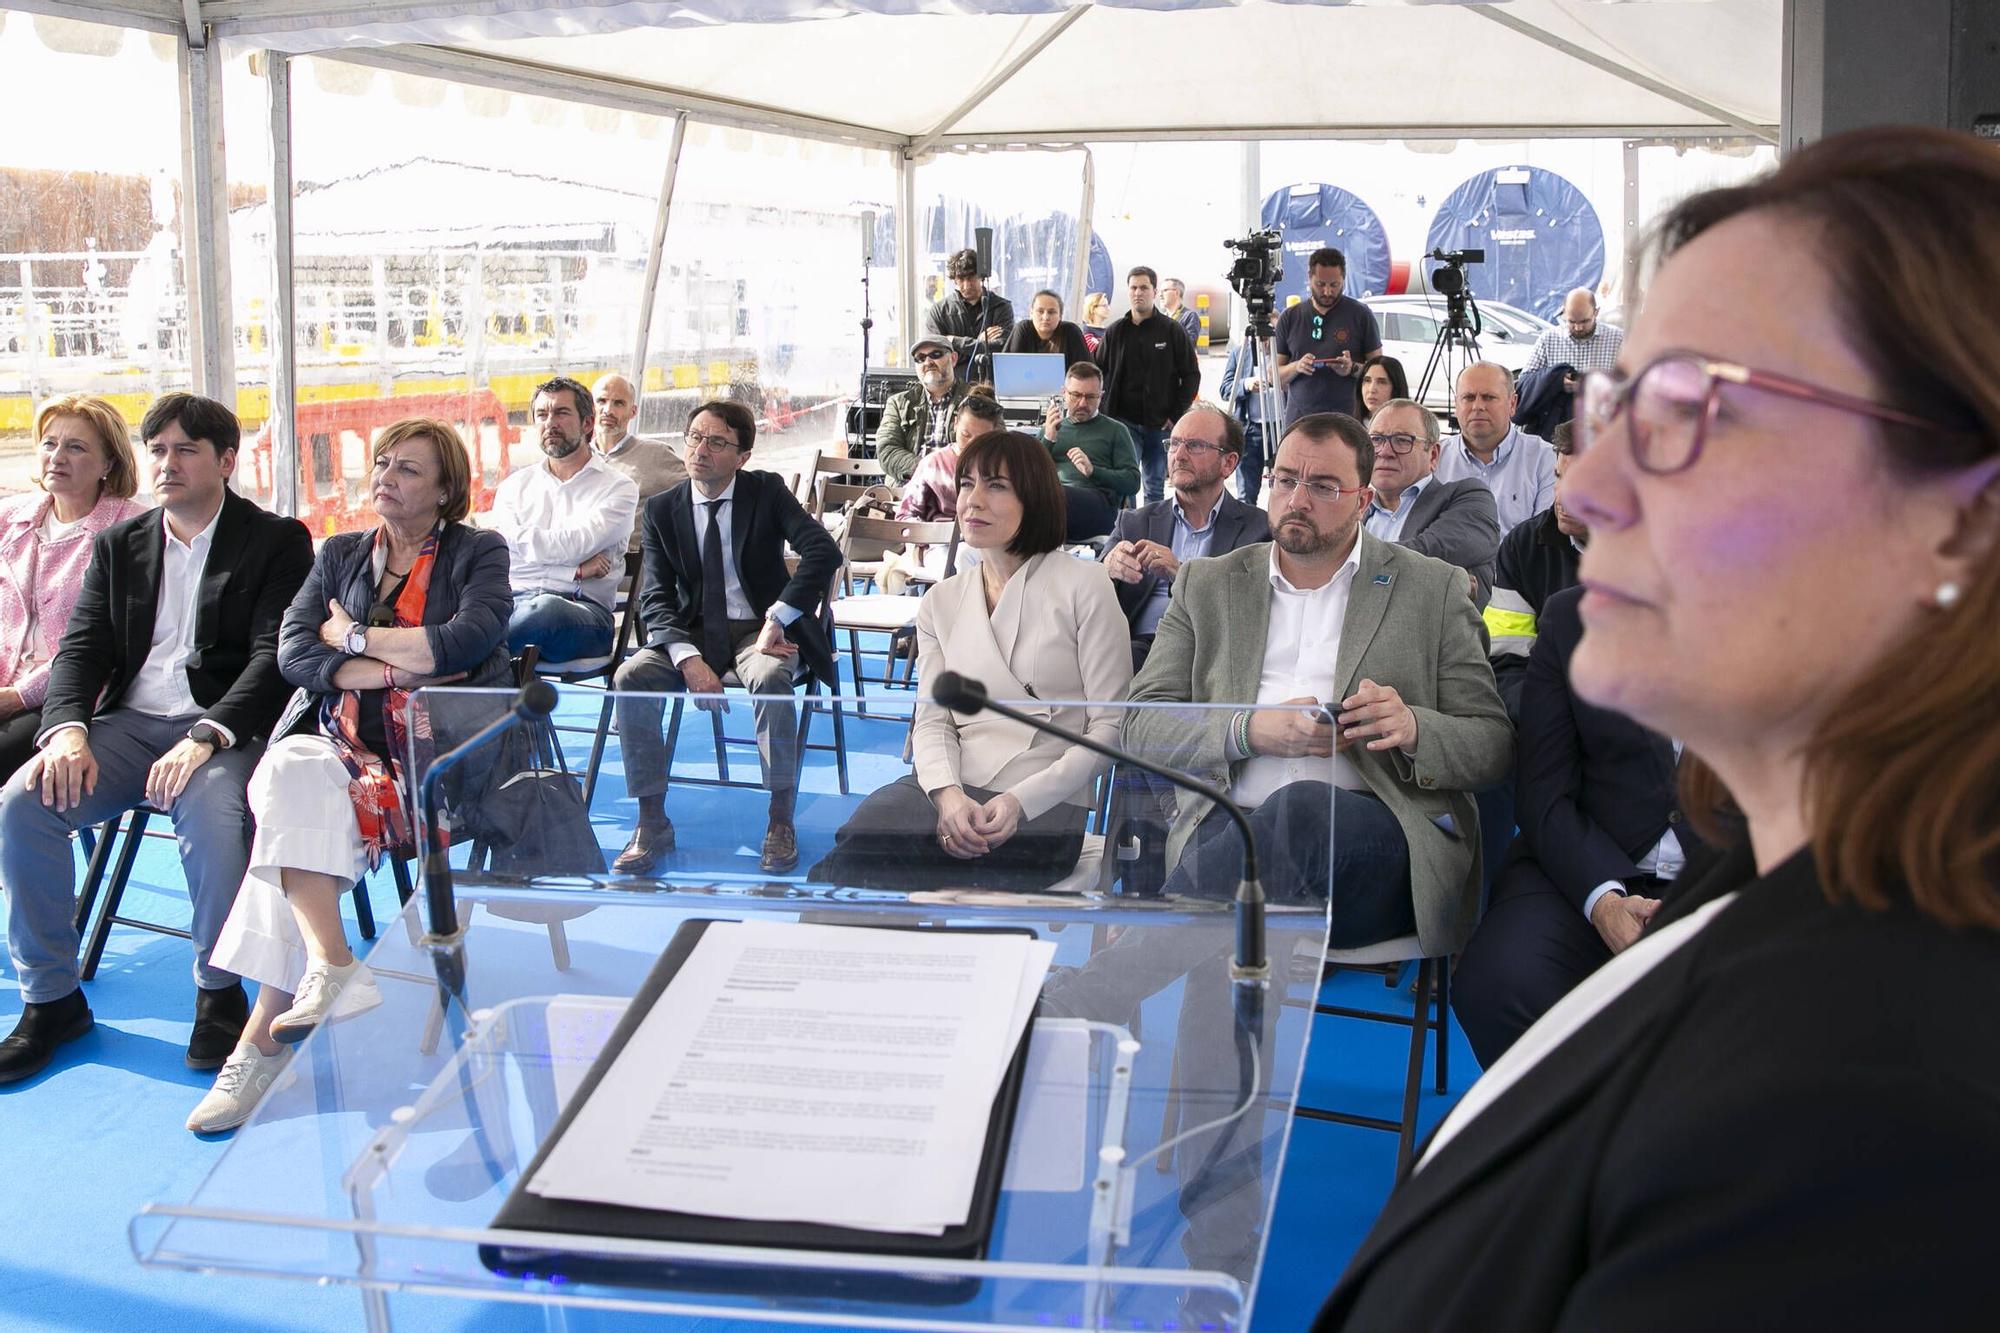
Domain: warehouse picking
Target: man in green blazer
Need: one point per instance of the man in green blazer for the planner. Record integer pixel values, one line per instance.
(1371, 790)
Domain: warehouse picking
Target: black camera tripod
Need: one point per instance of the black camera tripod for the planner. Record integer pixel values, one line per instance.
(1457, 342)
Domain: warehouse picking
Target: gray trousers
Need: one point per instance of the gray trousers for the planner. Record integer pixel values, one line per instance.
(211, 820)
(776, 721)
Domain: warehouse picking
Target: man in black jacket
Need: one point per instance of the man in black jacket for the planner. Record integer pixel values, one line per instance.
(716, 598)
(1602, 839)
(1150, 377)
(1537, 560)
(973, 322)
(163, 691)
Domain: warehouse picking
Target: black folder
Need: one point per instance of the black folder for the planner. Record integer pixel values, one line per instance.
(525, 1211)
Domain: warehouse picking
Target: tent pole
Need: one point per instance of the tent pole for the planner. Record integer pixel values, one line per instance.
(997, 80)
(906, 257)
(1253, 218)
(280, 319)
(1079, 282)
(205, 219)
(654, 255)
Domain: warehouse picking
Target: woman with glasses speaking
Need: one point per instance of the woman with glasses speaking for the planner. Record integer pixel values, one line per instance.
(420, 600)
(1780, 1107)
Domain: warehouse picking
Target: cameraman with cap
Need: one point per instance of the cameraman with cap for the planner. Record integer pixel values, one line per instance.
(1323, 341)
(974, 322)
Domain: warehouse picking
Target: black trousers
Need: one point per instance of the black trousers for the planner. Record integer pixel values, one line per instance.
(1088, 513)
(17, 740)
(891, 843)
(1532, 947)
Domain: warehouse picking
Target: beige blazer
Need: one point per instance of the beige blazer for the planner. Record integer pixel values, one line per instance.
(1055, 644)
(1409, 625)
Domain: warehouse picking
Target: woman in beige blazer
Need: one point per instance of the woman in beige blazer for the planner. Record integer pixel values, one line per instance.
(993, 803)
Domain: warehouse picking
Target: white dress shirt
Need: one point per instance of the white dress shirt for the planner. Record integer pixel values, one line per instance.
(1522, 475)
(1301, 652)
(680, 650)
(552, 526)
(1387, 524)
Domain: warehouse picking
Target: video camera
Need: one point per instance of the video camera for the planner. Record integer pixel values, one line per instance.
(1449, 282)
(1255, 273)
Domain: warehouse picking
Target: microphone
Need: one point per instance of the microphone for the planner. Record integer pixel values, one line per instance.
(962, 694)
(535, 701)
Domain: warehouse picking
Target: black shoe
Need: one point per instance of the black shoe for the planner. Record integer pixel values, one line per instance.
(219, 1018)
(42, 1028)
(649, 846)
(781, 849)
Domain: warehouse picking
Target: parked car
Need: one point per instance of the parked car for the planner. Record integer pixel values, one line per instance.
(1409, 327)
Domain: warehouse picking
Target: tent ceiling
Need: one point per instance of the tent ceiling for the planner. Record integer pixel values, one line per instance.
(1133, 68)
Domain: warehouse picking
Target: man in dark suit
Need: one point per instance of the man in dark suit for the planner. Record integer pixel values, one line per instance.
(716, 598)
(1602, 839)
(1149, 544)
(1452, 520)
(163, 690)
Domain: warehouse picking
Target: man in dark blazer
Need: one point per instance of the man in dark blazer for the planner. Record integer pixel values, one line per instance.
(1602, 839)
(1149, 544)
(716, 598)
(163, 690)
(1454, 521)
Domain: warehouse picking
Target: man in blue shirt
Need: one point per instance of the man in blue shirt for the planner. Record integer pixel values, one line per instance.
(1323, 341)
(1519, 468)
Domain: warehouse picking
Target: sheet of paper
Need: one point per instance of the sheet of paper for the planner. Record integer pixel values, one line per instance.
(809, 1073)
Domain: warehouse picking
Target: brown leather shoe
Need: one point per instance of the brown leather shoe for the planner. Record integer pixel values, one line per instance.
(781, 850)
(649, 846)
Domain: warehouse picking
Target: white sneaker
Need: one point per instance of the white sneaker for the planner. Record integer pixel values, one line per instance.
(241, 1083)
(326, 995)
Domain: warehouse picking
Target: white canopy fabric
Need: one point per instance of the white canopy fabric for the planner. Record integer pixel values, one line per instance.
(925, 73)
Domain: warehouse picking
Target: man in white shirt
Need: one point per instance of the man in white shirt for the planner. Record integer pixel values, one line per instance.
(567, 521)
(653, 465)
(162, 692)
(1385, 645)
(1519, 468)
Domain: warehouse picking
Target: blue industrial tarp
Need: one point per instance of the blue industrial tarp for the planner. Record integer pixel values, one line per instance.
(1540, 234)
(1312, 215)
(1029, 252)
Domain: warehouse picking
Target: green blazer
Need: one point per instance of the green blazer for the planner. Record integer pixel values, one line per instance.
(1410, 625)
(900, 440)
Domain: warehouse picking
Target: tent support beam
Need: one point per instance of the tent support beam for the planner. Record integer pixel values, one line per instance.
(161, 16)
(1071, 138)
(205, 222)
(1079, 278)
(517, 76)
(1613, 68)
(280, 320)
(654, 256)
(906, 258)
(995, 81)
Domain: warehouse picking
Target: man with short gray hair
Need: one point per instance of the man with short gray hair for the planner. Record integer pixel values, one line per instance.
(1519, 468)
(1454, 521)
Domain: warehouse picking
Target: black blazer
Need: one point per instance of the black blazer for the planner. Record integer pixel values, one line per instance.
(1023, 338)
(1456, 522)
(257, 560)
(1791, 1122)
(1593, 790)
(465, 614)
(765, 517)
(1236, 524)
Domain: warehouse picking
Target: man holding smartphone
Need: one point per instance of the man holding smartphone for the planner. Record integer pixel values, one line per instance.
(1322, 342)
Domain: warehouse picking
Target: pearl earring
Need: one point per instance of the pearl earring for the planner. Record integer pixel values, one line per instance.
(1947, 595)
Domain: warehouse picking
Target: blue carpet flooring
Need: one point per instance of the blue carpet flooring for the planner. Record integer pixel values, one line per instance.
(100, 1134)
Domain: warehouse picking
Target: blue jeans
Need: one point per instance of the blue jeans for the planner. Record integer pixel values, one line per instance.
(564, 628)
(1250, 470)
(1152, 448)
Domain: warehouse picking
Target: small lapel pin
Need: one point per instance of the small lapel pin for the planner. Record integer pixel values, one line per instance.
(1382, 579)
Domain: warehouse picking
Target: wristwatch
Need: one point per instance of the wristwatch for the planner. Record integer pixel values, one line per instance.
(356, 642)
(207, 735)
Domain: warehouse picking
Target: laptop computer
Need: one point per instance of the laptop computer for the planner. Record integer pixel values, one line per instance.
(1027, 379)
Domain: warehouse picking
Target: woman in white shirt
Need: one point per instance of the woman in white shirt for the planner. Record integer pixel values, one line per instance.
(993, 803)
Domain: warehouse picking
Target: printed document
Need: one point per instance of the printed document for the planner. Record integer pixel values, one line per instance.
(807, 1073)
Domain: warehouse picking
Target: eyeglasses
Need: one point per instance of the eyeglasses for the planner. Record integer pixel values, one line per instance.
(935, 354)
(1193, 446)
(1285, 485)
(1078, 396)
(1669, 405)
(697, 440)
(1397, 444)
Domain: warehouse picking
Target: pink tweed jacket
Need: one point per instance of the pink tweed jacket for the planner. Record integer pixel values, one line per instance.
(46, 577)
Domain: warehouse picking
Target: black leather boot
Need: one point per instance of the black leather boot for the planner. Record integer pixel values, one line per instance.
(42, 1028)
(219, 1016)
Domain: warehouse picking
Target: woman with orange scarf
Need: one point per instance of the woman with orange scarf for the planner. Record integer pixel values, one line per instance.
(421, 600)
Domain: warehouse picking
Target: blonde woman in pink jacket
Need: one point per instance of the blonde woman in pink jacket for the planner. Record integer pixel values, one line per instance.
(85, 475)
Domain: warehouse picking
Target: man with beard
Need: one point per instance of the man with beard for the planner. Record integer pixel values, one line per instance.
(567, 520)
(1150, 376)
(918, 420)
(972, 321)
(1579, 340)
(1383, 644)
(653, 465)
